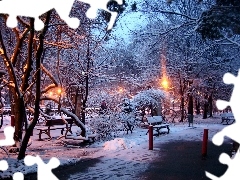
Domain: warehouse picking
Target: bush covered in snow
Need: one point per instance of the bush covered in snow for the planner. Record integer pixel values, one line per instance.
(148, 97)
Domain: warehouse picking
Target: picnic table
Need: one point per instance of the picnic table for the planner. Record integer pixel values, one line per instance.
(56, 122)
(227, 117)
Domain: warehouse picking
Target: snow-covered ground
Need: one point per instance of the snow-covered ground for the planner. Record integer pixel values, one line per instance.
(122, 157)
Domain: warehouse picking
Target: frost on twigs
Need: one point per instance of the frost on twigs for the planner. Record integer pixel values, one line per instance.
(231, 131)
(35, 8)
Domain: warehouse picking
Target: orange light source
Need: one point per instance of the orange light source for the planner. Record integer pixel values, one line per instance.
(59, 91)
(120, 90)
(165, 84)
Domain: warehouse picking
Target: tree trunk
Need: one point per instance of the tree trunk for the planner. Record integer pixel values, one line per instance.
(197, 103)
(205, 107)
(85, 97)
(159, 108)
(20, 118)
(16, 94)
(29, 130)
(190, 104)
(78, 104)
(210, 102)
(182, 109)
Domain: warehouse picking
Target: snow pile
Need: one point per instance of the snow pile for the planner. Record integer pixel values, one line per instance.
(118, 144)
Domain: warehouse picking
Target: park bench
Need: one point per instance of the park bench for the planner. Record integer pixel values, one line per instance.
(54, 124)
(157, 123)
(228, 118)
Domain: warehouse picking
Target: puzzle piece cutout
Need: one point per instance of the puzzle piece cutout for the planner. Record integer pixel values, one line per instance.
(35, 8)
(8, 132)
(101, 4)
(3, 165)
(233, 167)
(44, 170)
(18, 176)
(231, 131)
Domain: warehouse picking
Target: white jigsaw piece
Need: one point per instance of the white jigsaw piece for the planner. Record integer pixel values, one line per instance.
(3, 165)
(35, 8)
(8, 132)
(231, 131)
(233, 167)
(101, 4)
(8, 141)
(44, 170)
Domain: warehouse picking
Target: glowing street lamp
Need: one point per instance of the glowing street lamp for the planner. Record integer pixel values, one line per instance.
(120, 90)
(59, 91)
(165, 83)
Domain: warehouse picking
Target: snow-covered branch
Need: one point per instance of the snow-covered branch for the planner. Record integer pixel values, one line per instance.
(232, 41)
(46, 89)
(64, 45)
(50, 98)
(49, 75)
(176, 13)
(75, 118)
(10, 67)
(18, 45)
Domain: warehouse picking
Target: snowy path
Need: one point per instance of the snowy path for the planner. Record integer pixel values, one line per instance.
(117, 165)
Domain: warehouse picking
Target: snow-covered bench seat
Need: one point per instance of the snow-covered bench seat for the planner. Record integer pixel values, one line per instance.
(228, 118)
(157, 123)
